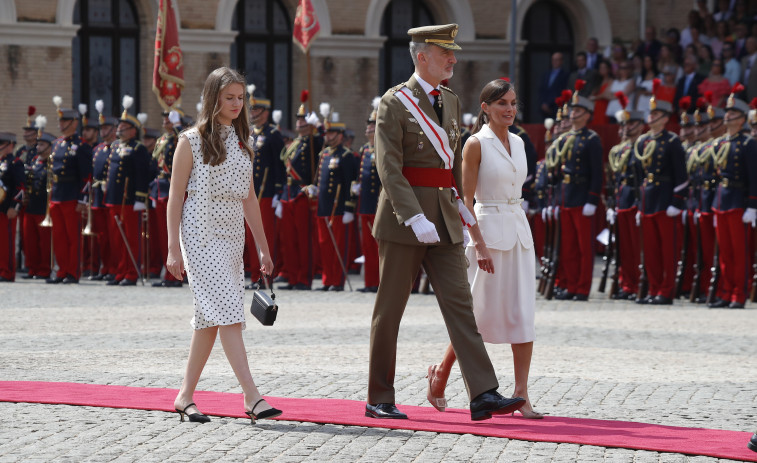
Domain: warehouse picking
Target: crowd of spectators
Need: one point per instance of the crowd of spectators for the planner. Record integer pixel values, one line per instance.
(705, 59)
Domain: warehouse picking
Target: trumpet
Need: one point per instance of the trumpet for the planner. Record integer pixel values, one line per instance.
(48, 221)
(88, 228)
(145, 236)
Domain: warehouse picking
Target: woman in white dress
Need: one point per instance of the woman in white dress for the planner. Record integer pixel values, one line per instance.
(503, 284)
(213, 165)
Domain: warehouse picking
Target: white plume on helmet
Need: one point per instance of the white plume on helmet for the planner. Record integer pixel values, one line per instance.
(276, 115)
(174, 116)
(82, 109)
(467, 118)
(251, 89)
(549, 123)
(324, 109)
(57, 101)
(40, 121)
(127, 102)
(99, 106)
(142, 118)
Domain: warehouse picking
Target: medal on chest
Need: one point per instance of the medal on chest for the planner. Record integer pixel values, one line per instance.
(333, 162)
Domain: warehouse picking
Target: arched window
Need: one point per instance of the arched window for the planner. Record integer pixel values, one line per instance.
(106, 53)
(262, 50)
(547, 30)
(396, 66)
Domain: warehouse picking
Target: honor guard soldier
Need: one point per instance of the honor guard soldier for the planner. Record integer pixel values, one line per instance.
(90, 130)
(528, 185)
(365, 191)
(72, 168)
(162, 157)
(735, 205)
(126, 195)
(11, 197)
(540, 194)
(298, 223)
(154, 264)
(688, 133)
(337, 170)
(37, 245)
(663, 198)
(28, 150)
(753, 117)
(580, 152)
(100, 212)
(626, 177)
(268, 174)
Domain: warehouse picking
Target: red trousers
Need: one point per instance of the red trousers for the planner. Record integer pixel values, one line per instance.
(296, 232)
(90, 255)
(130, 224)
(108, 261)
(251, 260)
(576, 250)
(161, 234)
(7, 247)
(353, 243)
(707, 233)
(370, 250)
(734, 254)
(660, 252)
(36, 245)
(66, 233)
(630, 251)
(538, 231)
(332, 274)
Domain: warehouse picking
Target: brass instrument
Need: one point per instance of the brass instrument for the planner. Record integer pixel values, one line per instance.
(145, 227)
(48, 221)
(88, 228)
(87, 233)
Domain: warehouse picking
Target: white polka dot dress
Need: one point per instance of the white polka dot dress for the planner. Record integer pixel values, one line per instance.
(212, 232)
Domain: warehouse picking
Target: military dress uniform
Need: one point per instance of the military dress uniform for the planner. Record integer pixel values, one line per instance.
(128, 162)
(528, 185)
(72, 168)
(268, 176)
(11, 194)
(100, 213)
(367, 200)
(298, 227)
(36, 238)
(704, 178)
(665, 181)
(581, 170)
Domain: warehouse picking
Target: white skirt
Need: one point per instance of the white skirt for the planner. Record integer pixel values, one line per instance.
(503, 302)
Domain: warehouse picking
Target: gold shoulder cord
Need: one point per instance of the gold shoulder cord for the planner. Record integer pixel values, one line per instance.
(558, 154)
(646, 157)
(720, 157)
(618, 156)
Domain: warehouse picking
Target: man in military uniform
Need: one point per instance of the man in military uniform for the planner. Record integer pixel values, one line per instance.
(418, 222)
(28, 150)
(337, 169)
(365, 191)
(36, 240)
(126, 195)
(162, 157)
(580, 153)
(663, 198)
(11, 193)
(90, 259)
(735, 205)
(268, 177)
(626, 178)
(154, 266)
(72, 167)
(100, 212)
(297, 222)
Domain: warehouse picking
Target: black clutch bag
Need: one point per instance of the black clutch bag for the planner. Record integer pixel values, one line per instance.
(264, 307)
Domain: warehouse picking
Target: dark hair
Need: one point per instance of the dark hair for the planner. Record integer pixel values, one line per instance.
(581, 53)
(491, 92)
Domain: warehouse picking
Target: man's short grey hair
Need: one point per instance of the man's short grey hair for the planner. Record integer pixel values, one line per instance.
(417, 47)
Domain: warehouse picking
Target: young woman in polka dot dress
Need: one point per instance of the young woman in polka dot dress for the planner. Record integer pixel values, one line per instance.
(213, 165)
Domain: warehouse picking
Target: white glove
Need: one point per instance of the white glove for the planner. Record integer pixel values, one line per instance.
(714, 220)
(672, 211)
(275, 201)
(424, 230)
(750, 216)
(311, 191)
(684, 215)
(154, 204)
(279, 212)
(104, 187)
(544, 214)
(524, 205)
(348, 217)
(466, 237)
(556, 211)
(638, 219)
(696, 217)
(610, 216)
(355, 189)
(589, 209)
(139, 206)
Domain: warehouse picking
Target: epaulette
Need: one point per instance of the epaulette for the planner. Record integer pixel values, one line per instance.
(447, 89)
(396, 88)
(592, 134)
(673, 136)
(518, 130)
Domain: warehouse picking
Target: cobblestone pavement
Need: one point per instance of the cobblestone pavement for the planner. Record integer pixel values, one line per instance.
(683, 365)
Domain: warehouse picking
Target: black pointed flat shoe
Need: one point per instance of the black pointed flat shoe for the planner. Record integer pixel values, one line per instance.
(193, 417)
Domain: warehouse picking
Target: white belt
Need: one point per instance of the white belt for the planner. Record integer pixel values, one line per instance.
(511, 201)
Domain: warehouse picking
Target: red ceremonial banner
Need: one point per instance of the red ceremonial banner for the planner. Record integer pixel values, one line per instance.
(168, 73)
(306, 26)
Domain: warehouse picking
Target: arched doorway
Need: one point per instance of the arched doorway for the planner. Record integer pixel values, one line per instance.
(105, 54)
(547, 30)
(262, 50)
(395, 64)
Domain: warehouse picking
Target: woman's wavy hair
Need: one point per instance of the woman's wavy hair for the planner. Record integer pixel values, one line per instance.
(213, 149)
(491, 92)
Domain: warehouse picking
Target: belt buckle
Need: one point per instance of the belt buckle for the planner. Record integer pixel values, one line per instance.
(724, 182)
(650, 177)
(566, 178)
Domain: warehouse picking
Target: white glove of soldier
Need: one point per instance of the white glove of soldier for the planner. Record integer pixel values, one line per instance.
(750, 216)
(424, 230)
(348, 217)
(610, 216)
(672, 211)
(638, 219)
(696, 217)
(466, 237)
(154, 204)
(544, 214)
(275, 201)
(311, 191)
(556, 211)
(589, 209)
(279, 212)
(684, 216)
(355, 188)
(139, 206)
(524, 205)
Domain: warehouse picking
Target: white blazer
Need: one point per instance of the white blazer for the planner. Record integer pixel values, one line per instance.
(501, 217)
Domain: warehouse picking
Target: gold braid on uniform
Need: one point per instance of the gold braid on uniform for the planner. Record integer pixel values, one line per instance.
(720, 157)
(646, 156)
(693, 161)
(558, 154)
(618, 156)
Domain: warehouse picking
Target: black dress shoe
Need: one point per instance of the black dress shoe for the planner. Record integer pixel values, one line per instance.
(167, 284)
(493, 403)
(565, 296)
(753, 443)
(368, 289)
(384, 411)
(127, 282)
(662, 300)
(718, 304)
(153, 276)
(645, 300)
(736, 305)
(85, 273)
(286, 287)
(54, 281)
(336, 288)
(324, 288)
(109, 277)
(97, 277)
(70, 280)
(701, 299)
(581, 297)
(621, 294)
(5, 280)
(113, 282)
(302, 287)
(41, 277)
(27, 277)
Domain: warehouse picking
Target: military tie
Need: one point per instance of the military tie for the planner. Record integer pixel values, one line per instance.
(437, 104)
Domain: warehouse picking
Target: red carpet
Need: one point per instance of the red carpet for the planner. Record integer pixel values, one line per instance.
(639, 436)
